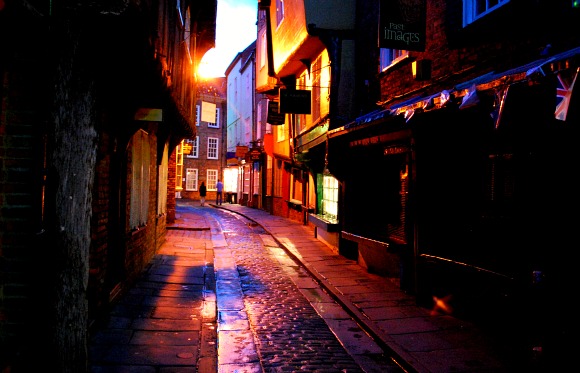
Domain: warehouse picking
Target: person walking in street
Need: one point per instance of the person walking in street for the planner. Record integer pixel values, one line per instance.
(202, 193)
(219, 194)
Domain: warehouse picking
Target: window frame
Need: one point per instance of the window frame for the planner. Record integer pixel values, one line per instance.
(210, 148)
(217, 119)
(211, 176)
(194, 147)
(329, 200)
(389, 57)
(197, 115)
(471, 12)
(191, 179)
(140, 173)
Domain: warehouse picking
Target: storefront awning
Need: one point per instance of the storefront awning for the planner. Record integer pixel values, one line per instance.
(465, 93)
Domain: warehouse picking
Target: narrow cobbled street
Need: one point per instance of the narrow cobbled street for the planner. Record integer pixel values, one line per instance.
(287, 310)
(223, 295)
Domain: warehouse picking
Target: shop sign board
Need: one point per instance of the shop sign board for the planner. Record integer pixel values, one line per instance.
(402, 24)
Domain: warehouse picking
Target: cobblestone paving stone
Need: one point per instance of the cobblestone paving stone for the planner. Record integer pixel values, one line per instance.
(290, 335)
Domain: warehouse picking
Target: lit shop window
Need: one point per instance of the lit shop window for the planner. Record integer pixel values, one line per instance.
(329, 197)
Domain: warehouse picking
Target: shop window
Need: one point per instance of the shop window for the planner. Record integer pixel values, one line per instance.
(296, 185)
(140, 164)
(329, 197)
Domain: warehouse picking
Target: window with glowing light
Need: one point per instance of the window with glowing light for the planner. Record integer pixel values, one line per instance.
(390, 57)
(329, 197)
(212, 178)
(191, 179)
(194, 153)
(316, 72)
(217, 120)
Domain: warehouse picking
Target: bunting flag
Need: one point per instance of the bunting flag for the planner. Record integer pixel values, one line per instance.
(563, 95)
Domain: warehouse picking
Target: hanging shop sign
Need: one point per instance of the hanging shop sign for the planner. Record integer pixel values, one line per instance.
(402, 24)
(275, 118)
(253, 155)
(295, 101)
(241, 151)
(187, 148)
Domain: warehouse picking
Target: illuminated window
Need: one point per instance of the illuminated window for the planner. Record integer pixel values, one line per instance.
(329, 197)
(281, 132)
(212, 177)
(194, 148)
(475, 9)
(217, 119)
(212, 148)
(191, 179)
(390, 57)
(316, 72)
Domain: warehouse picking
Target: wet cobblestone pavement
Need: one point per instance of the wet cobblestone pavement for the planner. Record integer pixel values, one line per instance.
(290, 334)
(222, 296)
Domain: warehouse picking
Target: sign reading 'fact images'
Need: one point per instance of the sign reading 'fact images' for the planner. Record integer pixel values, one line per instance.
(403, 24)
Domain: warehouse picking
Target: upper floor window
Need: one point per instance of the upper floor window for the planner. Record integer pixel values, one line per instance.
(279, 12)
(390, 57)
(475, 9)
(194, 153)
(263, 49)
(316, 71)
(197, 114)
(217, 119)
(301, 118)
(212, 148)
